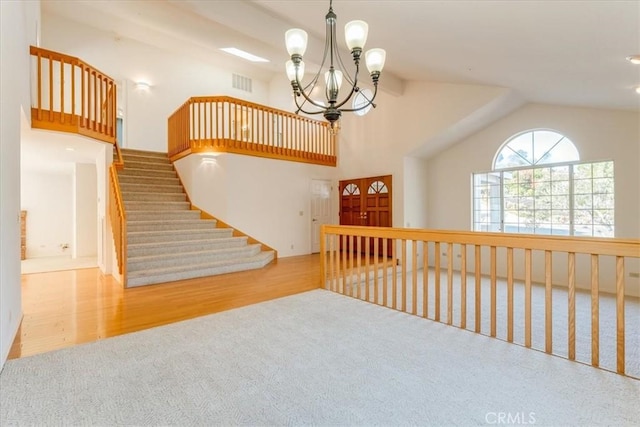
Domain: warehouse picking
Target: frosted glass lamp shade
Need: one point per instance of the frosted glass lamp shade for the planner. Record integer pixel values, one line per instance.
(375, 59)
(296, 41)
(333, 79)
(291, 71)
(355, 34)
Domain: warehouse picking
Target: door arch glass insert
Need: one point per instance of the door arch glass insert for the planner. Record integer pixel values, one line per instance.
(378, 187)
(351, 190)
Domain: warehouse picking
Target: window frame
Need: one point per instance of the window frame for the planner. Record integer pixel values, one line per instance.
(571, 194)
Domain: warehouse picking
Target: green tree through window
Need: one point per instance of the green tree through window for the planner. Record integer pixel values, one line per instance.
(539, 186)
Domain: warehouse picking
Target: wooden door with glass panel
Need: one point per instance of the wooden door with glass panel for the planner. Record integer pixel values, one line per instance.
(366, 202)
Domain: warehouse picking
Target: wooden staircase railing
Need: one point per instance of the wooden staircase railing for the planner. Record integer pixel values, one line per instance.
(230, 125)
(72, 96)
(386, 266)
(118, 216)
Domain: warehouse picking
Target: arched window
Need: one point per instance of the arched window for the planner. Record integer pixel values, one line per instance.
(535, 147)
(351, 190)
(538, 186)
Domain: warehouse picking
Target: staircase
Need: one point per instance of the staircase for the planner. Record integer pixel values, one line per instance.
(166, 239)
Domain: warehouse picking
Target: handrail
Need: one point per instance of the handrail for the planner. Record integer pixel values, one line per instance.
(404, 269)
(72, 96)
(118, 217)
(231, 125)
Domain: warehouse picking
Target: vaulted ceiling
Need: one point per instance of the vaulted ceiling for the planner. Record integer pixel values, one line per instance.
(557, 52)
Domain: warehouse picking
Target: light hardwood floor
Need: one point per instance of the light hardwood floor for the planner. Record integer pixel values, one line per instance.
(65, 308)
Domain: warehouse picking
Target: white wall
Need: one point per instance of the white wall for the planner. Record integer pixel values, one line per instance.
(265, 198)
(19, 23)
(598, 135)
(378, 143)
(174, 78)
(48, 200)
(85, 211)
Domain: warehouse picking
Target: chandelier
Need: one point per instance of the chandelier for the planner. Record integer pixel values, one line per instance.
(332, 107)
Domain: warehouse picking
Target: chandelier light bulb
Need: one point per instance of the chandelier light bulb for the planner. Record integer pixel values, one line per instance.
(355, 34)
(291, 71)
(296, 41)
(333, 80)
(375, 59)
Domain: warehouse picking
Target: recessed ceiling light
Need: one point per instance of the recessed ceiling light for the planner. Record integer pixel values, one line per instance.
(242, 54)
(634, 59)
(638, 89)
(70, 149)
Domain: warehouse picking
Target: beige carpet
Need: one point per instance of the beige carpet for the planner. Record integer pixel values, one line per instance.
(316, 358)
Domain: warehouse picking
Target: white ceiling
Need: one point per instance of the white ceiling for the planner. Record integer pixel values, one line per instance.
(558, 52)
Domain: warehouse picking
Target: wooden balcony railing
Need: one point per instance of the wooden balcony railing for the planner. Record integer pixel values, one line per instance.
(118, 217)
(225, 124)
(452, 277)
(72, 96)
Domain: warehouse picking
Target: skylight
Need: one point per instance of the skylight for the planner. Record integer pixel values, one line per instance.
(245, 55)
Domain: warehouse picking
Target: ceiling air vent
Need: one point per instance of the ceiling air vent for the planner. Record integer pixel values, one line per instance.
(241, 82)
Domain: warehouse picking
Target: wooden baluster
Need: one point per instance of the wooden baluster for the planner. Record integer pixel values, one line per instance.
(463, 286)
(548, 303)
(367, 266)
(450, 284)
(83, 95)
(478, 290)
(494, 281)
(620, 347)
(359, 247)
(404, 275)
(394, 278)
(337, 256)
(351, 267)
(385, 254)
(572, 306)
(595, 308)
(39, 63)
(437, 282)
(62, 91)
(323, 262)
(375, 269)
(94, 122)
(510, 294)
(344, 264)
(425, 279)
(527, 297)
(50, 89)
(414, 277)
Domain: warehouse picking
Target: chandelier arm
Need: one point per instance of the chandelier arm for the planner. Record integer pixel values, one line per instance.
(300, 107)
(354, 89)
(375, 92)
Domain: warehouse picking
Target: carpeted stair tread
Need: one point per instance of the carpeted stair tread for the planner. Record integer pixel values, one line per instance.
(150, 188)
(145, 180)
(171, 236)
(142, 249)
(171, 274)
(136, 215)
(166, 225)
(137, 205)
(135, 263)
(142, 196)
(135, 164)
(147, 173)
(134, 152)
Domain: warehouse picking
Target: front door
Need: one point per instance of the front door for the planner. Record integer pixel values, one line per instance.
(366, 202)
